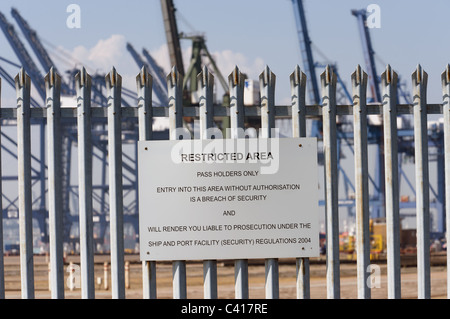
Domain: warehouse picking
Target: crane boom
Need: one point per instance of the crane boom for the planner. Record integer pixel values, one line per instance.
(5, 75)
(306, 51)
(137, 58)
(368, 53)
(159, 91)
(159, 78)
(38, 48)
(22, 54)
(173, 40)
(159, 72)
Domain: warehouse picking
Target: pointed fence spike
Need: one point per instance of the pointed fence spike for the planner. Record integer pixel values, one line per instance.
(205, 78)
(446, 75)
(144, 79)
(448, 72)
(82, 78)
(419, 73)
(236, 74)
(21, 78)
(328, 71)
(296, 76)
(174, 77)
(388, 74)
(267, 76)
(359, 77)
(235, 78)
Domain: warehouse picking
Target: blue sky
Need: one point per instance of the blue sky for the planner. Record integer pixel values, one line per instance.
(247, 33)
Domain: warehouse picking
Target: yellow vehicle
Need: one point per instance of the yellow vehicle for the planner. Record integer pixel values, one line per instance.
(347, 242)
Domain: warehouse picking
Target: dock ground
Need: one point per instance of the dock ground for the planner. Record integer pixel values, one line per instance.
(225, 278)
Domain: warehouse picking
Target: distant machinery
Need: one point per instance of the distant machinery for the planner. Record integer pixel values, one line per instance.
(375, 129)
(38, 81)
(406, 133)
(172, 35)
(199, 50)
(309, 67)
(159, 86)
(129, 129)
(40, 212)
(38, 48)
(372, 74)
(309, 64)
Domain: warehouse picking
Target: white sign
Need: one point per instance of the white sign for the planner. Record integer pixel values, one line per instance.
(228, 199)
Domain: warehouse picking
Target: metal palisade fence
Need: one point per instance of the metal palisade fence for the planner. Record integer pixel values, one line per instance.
(298, 111)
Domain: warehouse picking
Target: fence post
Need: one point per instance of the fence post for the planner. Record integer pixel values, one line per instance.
(114, 86)
(298, 107)
(144, 83)
(53, 88)
(205, 86)
(175, 89)
(236, 84)
(205, 81)
(359, 84)
(83, 88)
(267, 91)
(328, 83)
(419, 82)
(389, 87)
(445, 79)
(23, 86)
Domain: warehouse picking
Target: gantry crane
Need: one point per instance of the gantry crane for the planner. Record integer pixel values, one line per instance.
(22, 54)
(344, 135)
(158, 87)
(309, 64)
(41, 53)
(38, 81)
(368, 53)
(309, 67)
(405, 133)
(159, 77)
(195, 67)
(70, 138)
(198, 49)
(173, 40)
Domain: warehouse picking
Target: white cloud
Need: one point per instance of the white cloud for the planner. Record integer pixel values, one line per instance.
(226, 60)
(108, 53)
(112, 52)
(161, 56)
(104, 55)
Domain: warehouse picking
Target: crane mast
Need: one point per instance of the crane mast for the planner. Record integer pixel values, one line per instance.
(173, 40)
(306, 51)
(159, 78)
(157, 87)
(22, 54)
(38, 48)
(368, 52)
